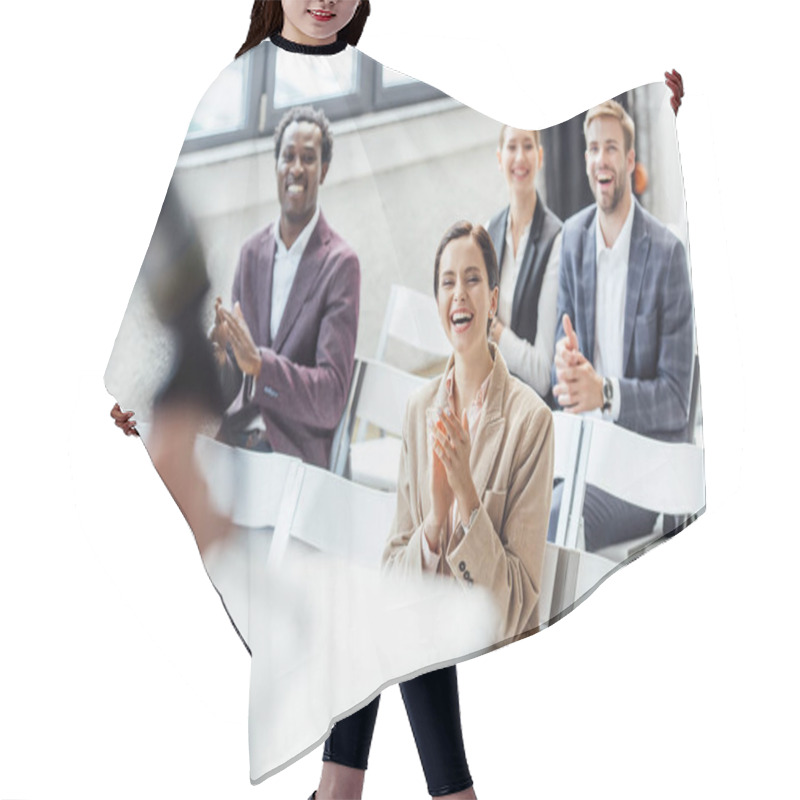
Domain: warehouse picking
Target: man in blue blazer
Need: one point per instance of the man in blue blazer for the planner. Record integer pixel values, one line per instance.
(624, 344)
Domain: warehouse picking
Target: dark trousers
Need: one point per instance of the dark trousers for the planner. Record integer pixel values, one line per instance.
(431, 702)
(607, 520)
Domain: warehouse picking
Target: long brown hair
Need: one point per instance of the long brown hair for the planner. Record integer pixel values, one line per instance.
(266, 19)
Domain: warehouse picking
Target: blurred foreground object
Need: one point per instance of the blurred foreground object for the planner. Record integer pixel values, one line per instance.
(175, 275)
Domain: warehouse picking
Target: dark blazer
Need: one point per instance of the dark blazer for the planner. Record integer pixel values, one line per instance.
(305, 376)
(658, 338)
(545, 227)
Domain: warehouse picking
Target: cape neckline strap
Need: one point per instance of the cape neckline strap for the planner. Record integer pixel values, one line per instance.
(314, 50)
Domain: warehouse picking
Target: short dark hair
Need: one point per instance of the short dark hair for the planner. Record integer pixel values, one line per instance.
(306, 114)
(480, 236)
(266, 19)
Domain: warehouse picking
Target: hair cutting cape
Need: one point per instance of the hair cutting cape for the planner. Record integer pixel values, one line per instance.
(303, 567)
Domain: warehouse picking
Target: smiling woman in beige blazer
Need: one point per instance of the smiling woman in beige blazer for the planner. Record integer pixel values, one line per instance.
(476, 470)
(473, 502)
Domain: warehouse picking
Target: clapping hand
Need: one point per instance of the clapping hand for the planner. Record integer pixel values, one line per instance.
(235, 331)
(219, 334)
(452, 446)
(579, 388)
(441, 491)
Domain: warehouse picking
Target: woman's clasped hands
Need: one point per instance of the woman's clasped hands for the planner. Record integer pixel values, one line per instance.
(451, 476)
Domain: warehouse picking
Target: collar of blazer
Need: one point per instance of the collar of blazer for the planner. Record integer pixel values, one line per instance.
(637, 266)
(499, 227)
(305, 280)
(526, 271)
(491, 426)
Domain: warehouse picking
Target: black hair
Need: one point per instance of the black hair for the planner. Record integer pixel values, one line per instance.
(306, 114)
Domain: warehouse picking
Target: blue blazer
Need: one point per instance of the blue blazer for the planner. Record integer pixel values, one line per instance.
(658, 341)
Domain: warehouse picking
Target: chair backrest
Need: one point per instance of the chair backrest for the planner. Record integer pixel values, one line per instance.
(380, 396)
(694, 401)
(247, 486)
(339, 517)
(346, 520)
(357, 520)
(566, 433)
(411, 318)
(577, 575)
(547, 588)
(340, 444)
(667, 477)
(570, 465)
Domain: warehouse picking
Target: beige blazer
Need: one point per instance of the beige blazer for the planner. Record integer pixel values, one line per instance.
(512, 468)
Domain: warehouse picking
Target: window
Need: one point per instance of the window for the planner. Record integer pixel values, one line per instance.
(224, 106)
(313, 79)
(247, 100)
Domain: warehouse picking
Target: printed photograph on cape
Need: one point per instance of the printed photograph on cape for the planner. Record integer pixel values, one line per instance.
(419, 381)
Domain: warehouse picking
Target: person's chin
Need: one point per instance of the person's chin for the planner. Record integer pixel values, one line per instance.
(320, 32)
(295, 211)
(464, 346)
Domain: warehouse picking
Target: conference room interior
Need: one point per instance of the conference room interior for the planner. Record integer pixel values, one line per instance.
(407, 163)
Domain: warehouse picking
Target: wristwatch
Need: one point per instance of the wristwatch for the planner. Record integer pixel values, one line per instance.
(608, 393)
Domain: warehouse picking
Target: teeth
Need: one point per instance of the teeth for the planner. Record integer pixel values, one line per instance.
(294, 188)
(461, 319)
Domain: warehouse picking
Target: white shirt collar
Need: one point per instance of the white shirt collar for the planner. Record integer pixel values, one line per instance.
(622, 243)
(299, 244)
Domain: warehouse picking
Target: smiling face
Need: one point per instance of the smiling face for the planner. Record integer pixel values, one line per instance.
(464, 297)
(520, 158)
(300, 171)
(608, 165)
(316, 22)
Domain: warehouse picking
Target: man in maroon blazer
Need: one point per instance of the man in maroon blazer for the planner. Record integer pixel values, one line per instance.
(287, 346)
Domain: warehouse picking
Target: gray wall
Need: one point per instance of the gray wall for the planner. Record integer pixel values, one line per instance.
(394, 186)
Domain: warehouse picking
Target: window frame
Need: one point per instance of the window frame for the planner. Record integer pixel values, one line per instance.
(262, 116)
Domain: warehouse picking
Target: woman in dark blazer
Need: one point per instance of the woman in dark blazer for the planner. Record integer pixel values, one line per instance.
(527, 238)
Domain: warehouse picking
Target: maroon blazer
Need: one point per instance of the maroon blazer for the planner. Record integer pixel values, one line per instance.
(306, 371)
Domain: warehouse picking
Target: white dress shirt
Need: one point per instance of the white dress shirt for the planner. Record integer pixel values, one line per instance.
(531, 362)
(285, 268)
(610, 296)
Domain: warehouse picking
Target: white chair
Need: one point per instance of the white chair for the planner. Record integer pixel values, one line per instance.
(547, 588)
(274, 499)
(379, 399)
(568, 433)
(412, 320)
(351, 522)
(665, 477)
(578, 574)
(380, 392)
(337, 517)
